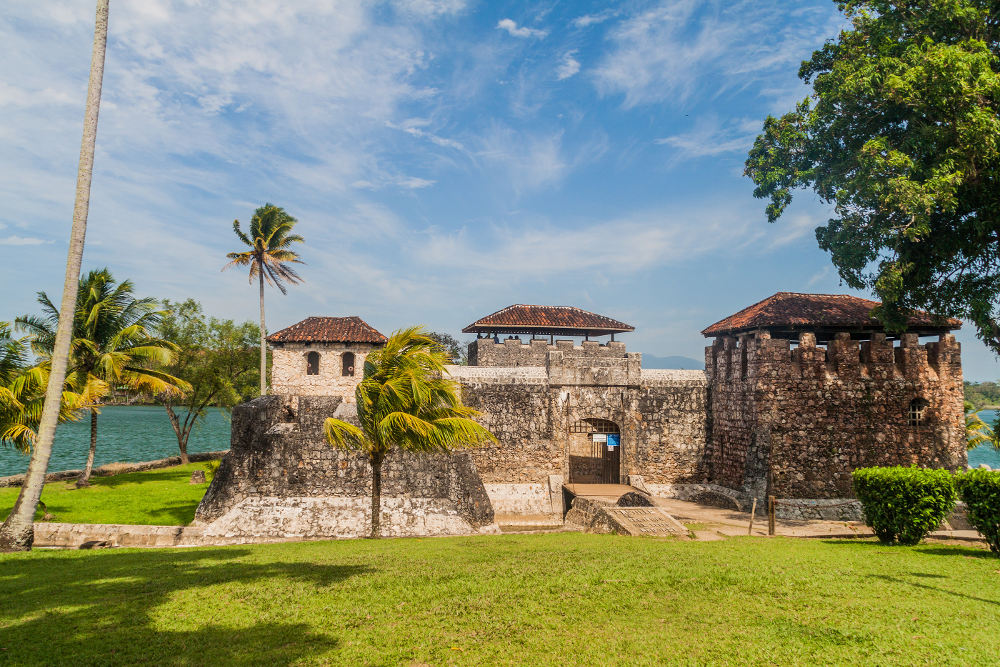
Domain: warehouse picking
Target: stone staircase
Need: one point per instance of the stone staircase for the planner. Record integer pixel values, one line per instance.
(621, 509)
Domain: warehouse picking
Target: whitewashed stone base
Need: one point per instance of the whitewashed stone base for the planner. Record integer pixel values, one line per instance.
(339, 517)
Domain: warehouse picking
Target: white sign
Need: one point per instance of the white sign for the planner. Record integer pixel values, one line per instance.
(600, 437)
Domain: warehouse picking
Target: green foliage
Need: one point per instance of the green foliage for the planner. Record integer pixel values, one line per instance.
(114, 341)
(902, 135)
(982, 394)
(902, 504)
(404, 400)
(211, 467)
(22, 392)
(980, 491)
(270, 241)
(456, 352)
(217, 358)
(978, 432)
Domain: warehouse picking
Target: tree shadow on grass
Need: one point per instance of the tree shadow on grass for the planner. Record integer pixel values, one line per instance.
(923, 548)
(936, 589)
(115, 606)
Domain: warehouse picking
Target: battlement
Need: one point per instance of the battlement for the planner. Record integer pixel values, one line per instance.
(535, 352)
(758, 355)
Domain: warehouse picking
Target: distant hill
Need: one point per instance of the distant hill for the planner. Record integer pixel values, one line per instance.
(676, 362)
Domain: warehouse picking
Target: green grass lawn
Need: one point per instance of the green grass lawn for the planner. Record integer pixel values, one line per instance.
(153, 497)
(563, 598)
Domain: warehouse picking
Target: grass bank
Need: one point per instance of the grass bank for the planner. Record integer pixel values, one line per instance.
(562, 598)
(152, 497)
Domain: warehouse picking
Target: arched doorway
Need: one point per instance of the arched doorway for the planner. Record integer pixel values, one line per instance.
(594, 452)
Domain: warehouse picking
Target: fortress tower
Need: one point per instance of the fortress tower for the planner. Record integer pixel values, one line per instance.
(804, 388)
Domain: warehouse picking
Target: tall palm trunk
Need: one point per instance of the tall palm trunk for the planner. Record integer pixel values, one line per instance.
(376, 497)
(18, 531)
(84, 479)
(263, 336)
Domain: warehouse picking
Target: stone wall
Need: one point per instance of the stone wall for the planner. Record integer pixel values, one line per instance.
(512, 353)
(282, 476)
(288, 369)
(661, 416)
(809, 416)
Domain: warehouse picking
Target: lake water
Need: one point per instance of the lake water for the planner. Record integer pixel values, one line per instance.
(126, 434)
(985, 453)
(143, 433)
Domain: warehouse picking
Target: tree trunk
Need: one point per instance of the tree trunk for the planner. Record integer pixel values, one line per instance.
(182, 433)
(84, 479)
(376, 499)
(18, 531)
(263, 342)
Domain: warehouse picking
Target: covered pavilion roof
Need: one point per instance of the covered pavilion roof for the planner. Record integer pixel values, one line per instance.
(547, 320)
(785, 314)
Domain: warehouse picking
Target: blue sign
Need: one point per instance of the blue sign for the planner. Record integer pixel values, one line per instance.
(613, 440)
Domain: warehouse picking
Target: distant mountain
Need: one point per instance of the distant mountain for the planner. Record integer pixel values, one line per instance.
(676, 362)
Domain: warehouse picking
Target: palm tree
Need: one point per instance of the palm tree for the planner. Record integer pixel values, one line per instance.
(269, 241)
(18, 532)
(113, 344)
(22, 393)
(405, 401)
(978, 432)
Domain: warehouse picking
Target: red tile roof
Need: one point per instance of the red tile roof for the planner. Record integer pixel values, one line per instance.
(795, 311)
(351, 329)
(555, 319)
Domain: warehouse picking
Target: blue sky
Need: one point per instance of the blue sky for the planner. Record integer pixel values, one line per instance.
(445, 158)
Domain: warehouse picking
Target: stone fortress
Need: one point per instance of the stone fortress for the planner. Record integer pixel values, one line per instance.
(798, 390)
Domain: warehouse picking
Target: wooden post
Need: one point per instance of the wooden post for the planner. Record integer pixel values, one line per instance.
(753, 511)
(770, 515)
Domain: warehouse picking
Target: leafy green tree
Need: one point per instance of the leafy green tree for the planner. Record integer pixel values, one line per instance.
(269, 240)
(405, 401)
(217, 358)
(902, 135)
(456, 352)
(113, 344)
(18, 530)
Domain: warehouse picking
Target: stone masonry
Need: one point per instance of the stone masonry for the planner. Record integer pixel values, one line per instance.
(795, 422)
(778, 416)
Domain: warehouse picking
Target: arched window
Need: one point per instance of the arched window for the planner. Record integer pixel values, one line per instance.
(347, 364)
(312, 363)
(916, 415)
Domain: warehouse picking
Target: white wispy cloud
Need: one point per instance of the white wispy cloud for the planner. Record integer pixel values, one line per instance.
(669, 51)
(593, 19)
(569, 65)
(712, 136)
(523, 31)
(14, 239)
(431, 8)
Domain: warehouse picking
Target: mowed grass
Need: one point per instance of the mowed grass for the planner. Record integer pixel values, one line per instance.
(152, 497)
(563, 598)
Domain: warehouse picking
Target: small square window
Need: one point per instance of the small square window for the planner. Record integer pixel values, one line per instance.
(916, 415)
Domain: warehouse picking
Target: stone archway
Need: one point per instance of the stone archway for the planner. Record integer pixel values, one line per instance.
(594, 449)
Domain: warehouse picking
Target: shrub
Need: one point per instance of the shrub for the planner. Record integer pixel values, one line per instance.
(901, 504)
(980, 490)
(210, 469)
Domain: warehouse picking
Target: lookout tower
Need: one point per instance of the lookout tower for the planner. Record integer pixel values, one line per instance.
(792, 418)
(545, 328)
(322, 356)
